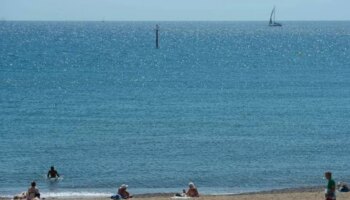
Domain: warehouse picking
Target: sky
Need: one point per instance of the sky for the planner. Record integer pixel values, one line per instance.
(173, 10)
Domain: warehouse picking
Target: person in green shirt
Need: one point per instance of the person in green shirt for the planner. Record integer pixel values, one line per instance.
(330, 192)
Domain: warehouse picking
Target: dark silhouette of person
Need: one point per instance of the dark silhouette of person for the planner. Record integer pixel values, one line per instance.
(52, 173)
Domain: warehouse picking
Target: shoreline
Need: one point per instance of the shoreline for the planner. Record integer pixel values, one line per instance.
(311, 189)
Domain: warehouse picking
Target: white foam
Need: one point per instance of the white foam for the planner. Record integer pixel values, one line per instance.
(75, 194)
(5, 196)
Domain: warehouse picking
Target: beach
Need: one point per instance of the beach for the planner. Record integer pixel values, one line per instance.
(307, 193)
(301, 195)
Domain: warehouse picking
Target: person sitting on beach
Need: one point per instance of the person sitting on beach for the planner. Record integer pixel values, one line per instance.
(123, 193)
(330, 191)
(192, 190)
(342, 187)
(52, 173)
(33, 192)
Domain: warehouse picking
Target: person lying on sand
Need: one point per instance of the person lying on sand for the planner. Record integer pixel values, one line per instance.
(181, 195)
(343, 187)
(22, 195)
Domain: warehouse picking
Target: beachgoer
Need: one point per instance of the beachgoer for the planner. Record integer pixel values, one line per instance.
(33, 192)
(192, 190)
(123, 193)
(52, 173)
(181, 195)
(20, 196)
(330, 191)
(343, 187)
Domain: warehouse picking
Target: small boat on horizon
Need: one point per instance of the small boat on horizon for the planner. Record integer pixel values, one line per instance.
(272, 21)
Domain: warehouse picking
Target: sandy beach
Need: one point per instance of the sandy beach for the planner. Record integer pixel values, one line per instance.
(283, 194)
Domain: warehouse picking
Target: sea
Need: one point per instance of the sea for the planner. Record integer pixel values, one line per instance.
(232, 106)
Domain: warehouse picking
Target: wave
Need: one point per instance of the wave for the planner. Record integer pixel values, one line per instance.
(76, 194)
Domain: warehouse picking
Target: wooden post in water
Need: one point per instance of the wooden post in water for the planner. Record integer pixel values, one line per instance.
(157, 36)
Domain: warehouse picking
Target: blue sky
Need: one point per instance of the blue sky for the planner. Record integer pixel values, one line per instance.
(162, 10)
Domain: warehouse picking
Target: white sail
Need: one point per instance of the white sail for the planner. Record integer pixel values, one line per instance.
(272, 21)
(272, 14)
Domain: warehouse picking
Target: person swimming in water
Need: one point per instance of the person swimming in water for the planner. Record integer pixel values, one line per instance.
(52, 173)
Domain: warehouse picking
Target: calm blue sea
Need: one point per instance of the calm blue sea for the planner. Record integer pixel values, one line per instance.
(231, 106)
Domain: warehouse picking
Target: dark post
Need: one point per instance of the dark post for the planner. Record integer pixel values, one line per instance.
(157, 36)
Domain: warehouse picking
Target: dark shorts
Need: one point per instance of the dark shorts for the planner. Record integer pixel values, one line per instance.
(330, 196)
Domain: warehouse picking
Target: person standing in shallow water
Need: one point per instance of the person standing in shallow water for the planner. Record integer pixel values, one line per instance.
(330, 191)
(52, 173)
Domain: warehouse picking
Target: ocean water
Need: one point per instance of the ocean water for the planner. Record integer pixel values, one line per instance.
(231, 106)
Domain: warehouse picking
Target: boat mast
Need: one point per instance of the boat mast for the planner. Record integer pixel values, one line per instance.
(157, 36)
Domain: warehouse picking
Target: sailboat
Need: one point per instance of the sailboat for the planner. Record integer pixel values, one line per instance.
(272, 18)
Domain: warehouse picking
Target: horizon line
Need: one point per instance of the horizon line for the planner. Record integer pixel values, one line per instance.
(102, 20)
